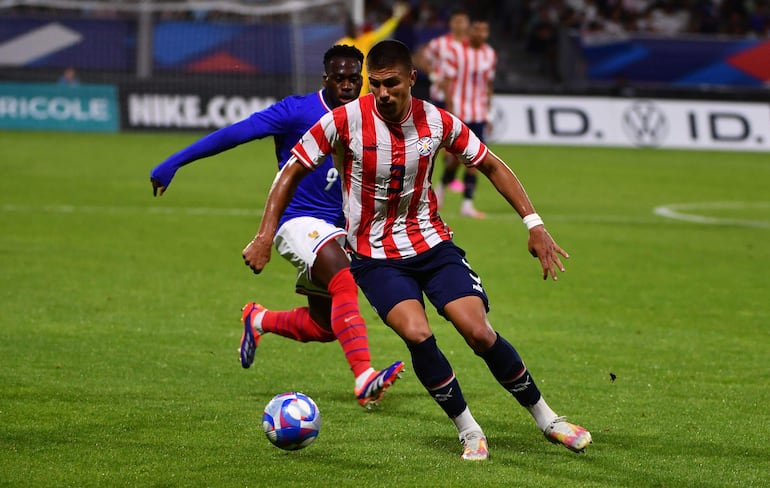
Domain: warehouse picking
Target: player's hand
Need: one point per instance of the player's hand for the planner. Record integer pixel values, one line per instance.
(542, 246)
(256, 254)
(157, 188)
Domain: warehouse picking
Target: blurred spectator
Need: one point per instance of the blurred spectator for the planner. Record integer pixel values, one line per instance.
(735, 17)
(69, 77)
(426, 16)
(668, 17)
(759, 19)
(364, 37)
(704, 17)
(542, 36)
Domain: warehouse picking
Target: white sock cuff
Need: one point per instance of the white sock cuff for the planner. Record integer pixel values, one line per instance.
(542, 413)
(466, 423)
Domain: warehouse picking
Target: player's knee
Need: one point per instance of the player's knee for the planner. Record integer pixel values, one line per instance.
(414, 333)
(408, 320)
(342, 283)
(480, 337)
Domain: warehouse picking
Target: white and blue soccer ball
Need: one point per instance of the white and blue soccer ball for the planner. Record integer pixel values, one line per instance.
(291, 420)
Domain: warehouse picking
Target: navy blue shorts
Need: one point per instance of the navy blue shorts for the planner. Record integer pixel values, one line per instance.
(478, 128)
(442, 274)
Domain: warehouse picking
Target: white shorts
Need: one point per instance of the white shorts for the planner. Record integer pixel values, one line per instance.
(299, 240)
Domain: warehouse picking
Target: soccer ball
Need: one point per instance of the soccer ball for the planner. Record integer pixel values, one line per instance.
(291, 420)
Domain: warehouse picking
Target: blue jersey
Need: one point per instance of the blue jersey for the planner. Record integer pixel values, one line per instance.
(318, 195)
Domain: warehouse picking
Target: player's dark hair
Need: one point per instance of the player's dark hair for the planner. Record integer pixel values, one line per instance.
(479, 17)
(342, 51)
(458, 11)
(387, 53)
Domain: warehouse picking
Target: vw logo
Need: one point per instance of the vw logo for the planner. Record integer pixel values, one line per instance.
(645, 124)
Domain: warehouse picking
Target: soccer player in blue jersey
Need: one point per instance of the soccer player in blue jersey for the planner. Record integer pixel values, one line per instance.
(311, 232)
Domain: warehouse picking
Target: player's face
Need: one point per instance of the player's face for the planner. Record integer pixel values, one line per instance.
(479, 33)
(343, 80)
(458, 25)
(392, 89)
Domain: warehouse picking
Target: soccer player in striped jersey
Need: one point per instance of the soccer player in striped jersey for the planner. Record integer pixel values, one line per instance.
(311, 234)
(433, 59)
(385, 146)
(434, 54)
(469, 73)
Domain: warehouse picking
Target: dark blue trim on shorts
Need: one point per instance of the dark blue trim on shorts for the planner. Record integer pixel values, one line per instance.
(478, 128)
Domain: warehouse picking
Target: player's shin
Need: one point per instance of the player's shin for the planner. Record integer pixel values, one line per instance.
(348, 325)
(509, 370)
(436, 375)
(295, 324)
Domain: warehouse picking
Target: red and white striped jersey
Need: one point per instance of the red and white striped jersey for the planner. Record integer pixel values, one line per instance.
(386, 168)
(437, 51)
(471, 70)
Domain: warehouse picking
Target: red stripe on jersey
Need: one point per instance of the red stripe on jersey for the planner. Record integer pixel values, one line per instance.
(437, 51)
(302, 156)
(424, 171)
(475, 86)
(462, 140)
(463, 83)
(368, 175)
(395, 189)
(483, 150)
(341, 123)
(317, 131)
(472, 70)
(460, 144)
(446, 125)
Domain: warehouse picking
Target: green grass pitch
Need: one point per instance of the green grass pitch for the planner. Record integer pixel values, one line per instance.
(119, 324)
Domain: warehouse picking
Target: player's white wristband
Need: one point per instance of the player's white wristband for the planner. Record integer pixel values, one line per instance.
(532, 220)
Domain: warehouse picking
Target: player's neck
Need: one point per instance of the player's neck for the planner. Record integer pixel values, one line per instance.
(401, 117)
(327, 100)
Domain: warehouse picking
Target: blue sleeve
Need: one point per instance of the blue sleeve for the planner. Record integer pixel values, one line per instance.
(270, 121)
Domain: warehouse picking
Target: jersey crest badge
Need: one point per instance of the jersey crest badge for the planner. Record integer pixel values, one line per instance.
(313, 234)
(425, 146)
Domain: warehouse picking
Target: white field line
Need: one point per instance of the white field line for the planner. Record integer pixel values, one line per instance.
(92, 209)
(257, 212)
(676, 212)
(693, 212)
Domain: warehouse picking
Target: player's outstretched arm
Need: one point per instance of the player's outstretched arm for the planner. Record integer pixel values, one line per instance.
(214, 143)
(541, 244)
(256, 254)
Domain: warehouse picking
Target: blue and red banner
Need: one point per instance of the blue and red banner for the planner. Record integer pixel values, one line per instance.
(679, 61)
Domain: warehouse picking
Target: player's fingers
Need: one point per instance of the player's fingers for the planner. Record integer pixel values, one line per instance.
(550, 265)
(559, 264)
(545, 265)
(561, 251)
(254, 268)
